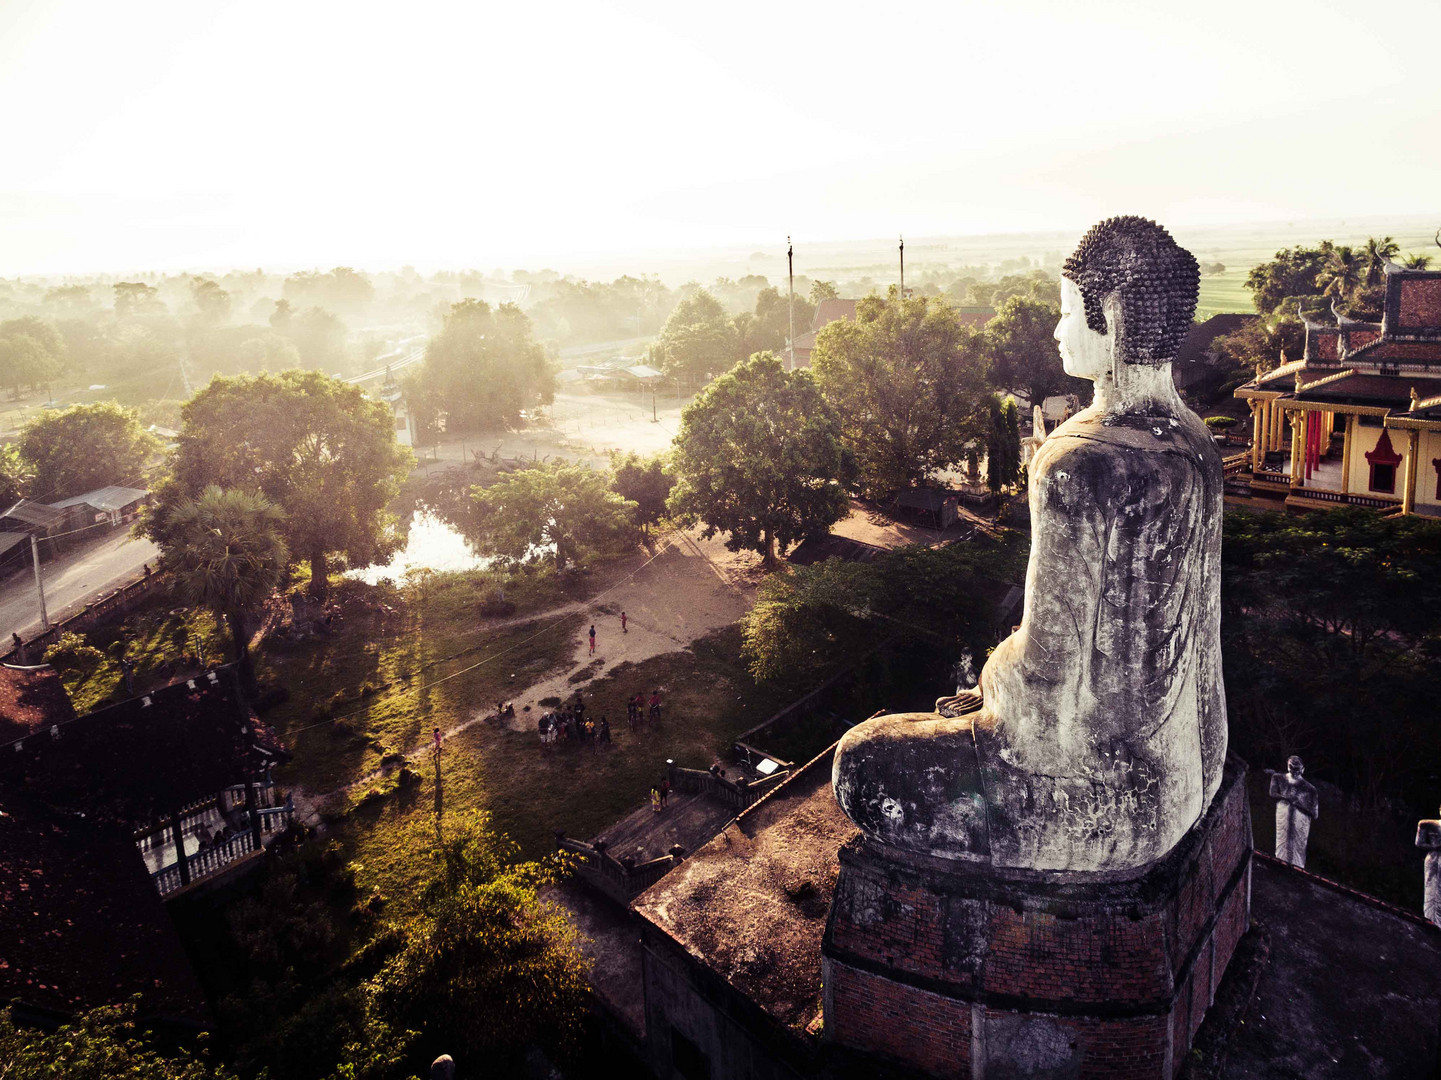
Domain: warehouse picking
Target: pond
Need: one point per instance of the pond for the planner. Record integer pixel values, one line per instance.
(433, 544)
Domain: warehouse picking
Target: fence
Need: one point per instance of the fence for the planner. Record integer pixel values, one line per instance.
(620, 879)
(737, 794)
(118, 603)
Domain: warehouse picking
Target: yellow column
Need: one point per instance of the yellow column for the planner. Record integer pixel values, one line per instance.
(1413, 449)
(1265, 439)
(1297, 420)
(1347, 438)
(1258, 418)
(1277, 420)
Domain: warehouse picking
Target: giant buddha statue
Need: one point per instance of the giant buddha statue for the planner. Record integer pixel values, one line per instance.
(1097, 736)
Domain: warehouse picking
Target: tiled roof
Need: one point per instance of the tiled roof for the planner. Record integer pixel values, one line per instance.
(81, 924)
(828, 311)
(31, 700)
(1361, 389)
(141, 759)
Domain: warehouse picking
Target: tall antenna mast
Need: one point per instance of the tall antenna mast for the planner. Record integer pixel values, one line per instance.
(791, 272)
(903, 268)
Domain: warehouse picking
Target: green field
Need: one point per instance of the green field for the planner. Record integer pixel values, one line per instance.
(1222, 293)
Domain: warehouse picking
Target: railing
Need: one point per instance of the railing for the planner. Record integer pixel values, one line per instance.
(620, 879)
(118, 602)
(206, 861)
(1235, 464)
(1374, 502)
(737, 794)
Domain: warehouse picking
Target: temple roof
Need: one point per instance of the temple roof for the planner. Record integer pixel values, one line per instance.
(1357, 388)
(145, 757)
(31, 699)
(81, 923)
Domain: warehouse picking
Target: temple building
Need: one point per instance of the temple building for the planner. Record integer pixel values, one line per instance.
(1358, 418)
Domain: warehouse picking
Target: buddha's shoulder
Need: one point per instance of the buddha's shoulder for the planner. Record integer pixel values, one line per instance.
(1119, 438)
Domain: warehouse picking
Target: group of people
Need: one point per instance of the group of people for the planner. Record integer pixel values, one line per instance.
(635, 708)
(570, 724)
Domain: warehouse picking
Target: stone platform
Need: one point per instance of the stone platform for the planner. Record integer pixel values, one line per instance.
(962, 971)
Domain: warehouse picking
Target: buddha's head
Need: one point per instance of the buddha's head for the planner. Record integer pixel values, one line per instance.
(1128, 293)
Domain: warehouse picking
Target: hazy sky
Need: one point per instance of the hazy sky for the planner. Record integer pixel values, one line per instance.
(175, 135)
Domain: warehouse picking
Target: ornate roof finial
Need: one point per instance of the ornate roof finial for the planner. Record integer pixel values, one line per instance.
(1415, 399)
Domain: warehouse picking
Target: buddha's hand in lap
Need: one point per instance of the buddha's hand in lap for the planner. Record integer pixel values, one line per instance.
(961, 704)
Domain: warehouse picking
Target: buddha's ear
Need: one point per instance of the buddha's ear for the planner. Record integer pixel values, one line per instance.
(1111, 306)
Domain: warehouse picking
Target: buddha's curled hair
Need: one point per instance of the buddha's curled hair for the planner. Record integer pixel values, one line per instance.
(1157, 279)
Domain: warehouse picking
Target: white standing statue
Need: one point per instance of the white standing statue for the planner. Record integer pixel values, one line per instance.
(1296, 807)
(1428, 838)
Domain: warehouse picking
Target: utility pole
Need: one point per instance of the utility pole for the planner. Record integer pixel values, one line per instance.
(791, 271)
(903, 268)
(39, 586)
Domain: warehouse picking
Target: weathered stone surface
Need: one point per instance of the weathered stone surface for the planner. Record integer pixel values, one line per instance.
(1102, 732)
(1297, 805)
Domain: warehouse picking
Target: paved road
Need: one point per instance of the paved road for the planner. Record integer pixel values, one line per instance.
(71, 581)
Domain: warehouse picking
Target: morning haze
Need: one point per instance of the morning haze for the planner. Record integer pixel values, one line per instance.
(744, 541)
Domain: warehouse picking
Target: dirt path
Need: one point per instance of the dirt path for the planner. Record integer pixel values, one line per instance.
(687, 589)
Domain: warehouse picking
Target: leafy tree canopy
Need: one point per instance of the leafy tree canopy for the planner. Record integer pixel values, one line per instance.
(555, 509)
(227, 554)
(32, 352)
(102, 1044)
(905, 379)
(486, 967)
(647, 482)
(84, 447)
(480, 371)
(699, 339)
(16, 474)
(315, 447)
(1003, 443)
(759, 456)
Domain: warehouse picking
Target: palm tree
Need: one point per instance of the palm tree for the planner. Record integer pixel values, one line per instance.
(1377, 254)
(1416, 262)
(226, 553)
(1341, 274)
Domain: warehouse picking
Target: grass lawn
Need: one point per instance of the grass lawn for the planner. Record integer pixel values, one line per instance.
(1224, 293)
(530, 790)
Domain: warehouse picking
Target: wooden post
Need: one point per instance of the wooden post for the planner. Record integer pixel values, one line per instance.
(1413, 451)
(1297, 439)
(1277, 419)
(1348, 438)
(180, 860)
(254, 817)
(1258, 427)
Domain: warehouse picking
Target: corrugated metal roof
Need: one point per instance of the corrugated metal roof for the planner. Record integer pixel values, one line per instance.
(106, 498)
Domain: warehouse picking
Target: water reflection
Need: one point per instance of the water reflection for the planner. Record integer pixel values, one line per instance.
(433, 544)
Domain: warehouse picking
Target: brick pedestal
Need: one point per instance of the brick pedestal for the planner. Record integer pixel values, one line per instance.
(959, 970)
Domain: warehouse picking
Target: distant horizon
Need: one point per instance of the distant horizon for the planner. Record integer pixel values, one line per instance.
(1204, 238)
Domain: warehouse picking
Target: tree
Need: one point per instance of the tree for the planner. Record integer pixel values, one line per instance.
(102, 1044)
(644, 481)
(319, 337)
(1022, 349)
(1003, 443)
(227, 554)
(1416, 262)
(905, 379)
(698, 339)
(1292, 273)
(16, 474)
(770, 326)
(317, 448)
(135, 298)
(823, 290)
(1342, 273)
(32, 352)
(486, 967)
(481, 370)
(212, 300)
(759, 457)
(556, 508)
(1257, 345)
(85, 447)
(1375, 257)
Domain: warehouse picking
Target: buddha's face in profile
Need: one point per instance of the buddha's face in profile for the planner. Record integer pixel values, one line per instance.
(1084, 353)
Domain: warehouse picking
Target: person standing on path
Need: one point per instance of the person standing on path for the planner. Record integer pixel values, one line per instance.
(623, 630)
(592, 639)
(437, 742)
